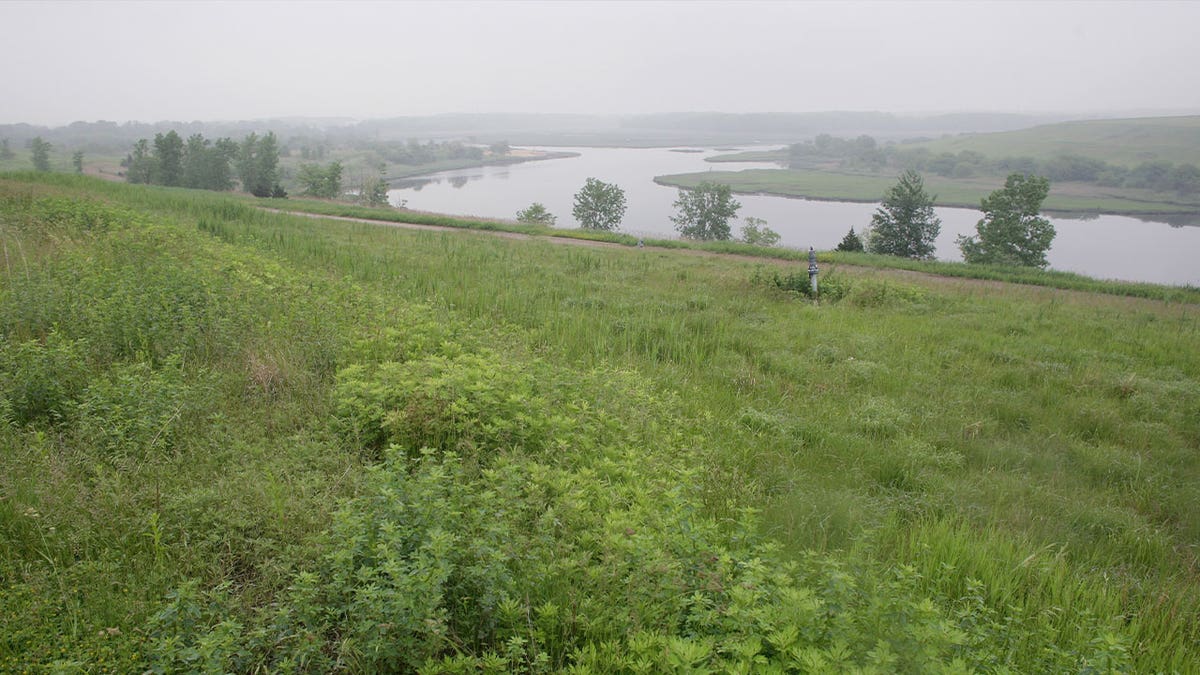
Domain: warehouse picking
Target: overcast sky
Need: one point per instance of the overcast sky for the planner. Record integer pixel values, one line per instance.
(149, 61)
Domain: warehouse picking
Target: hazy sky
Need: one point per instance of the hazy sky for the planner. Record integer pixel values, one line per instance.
(148, 61)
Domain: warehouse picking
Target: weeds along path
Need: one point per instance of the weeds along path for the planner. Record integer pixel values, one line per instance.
(1031, 292)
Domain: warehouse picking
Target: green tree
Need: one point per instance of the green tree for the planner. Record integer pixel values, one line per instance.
(905, 224)
(77, 161)
(500, 148)
(258, 165)
(324, 182)
(536, 214)
(140, 163)
(704, 212)
(599, 205)
(374, 190)
(1011, 231)
(851, 242)
(756, 232)
(41, 154)
(218, 172)
(168, 153)
(195, 161)
(5, 151)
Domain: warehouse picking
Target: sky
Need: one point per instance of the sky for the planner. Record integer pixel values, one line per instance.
(183, 61)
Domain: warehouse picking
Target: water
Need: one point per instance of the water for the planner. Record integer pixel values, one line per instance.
(1105, 247)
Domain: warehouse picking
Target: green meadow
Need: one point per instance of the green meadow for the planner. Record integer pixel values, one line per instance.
(966, 193)
(1118, 141)
(235, 440)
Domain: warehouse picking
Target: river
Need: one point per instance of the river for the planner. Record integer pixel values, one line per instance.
(1105, 247)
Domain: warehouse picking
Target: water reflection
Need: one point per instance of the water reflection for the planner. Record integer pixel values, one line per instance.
(1172, 219)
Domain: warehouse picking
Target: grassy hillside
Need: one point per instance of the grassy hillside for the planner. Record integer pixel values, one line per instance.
(233, 440)
(1126, 142)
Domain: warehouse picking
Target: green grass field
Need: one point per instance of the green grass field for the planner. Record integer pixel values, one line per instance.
(1125, 142)
(966, 193)
(234, 440)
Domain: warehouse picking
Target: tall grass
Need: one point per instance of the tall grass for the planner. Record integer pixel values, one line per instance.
(1027, 461)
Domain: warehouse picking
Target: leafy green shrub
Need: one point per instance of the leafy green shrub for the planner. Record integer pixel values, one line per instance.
(525, 568)
(41, 378)
(830, 287)
(133, 410)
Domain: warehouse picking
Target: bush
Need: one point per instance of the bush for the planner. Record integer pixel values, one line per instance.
(830, 287)
(41, 378)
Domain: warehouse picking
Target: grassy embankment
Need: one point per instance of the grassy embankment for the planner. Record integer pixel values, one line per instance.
(1028, 276)
(1119, 142)
(1126, 141)
(213, 419)
(965, 193)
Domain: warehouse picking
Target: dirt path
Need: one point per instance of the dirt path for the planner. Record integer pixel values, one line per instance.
(1037, 293)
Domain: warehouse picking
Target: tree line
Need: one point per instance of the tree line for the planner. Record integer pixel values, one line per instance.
(207, 165)
(1012, 231)
(702, 213)
(864, 152)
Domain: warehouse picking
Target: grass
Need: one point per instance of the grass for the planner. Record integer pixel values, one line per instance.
(849, 187)
(1125, 142)
(1050, 279)
(238, 440)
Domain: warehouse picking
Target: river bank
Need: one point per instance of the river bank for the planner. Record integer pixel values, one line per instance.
(1072, 200)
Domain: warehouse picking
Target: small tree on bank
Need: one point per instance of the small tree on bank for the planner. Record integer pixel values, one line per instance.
(374, 190)
(599, 205)
(536, 214)
(851, 243)
(756, 232)
(905, 225)
(41, 154)
(321, 181)
(1011, 232)
(704, 212)
(77, 161)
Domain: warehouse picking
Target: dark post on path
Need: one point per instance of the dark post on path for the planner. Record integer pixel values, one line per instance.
(812, 271)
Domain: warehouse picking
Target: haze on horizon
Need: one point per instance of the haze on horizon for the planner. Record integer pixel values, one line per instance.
(122, 61)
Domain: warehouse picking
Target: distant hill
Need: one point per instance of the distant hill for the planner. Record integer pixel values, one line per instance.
(1121, 141)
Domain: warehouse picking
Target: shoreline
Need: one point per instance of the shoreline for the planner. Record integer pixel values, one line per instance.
(1189, 218)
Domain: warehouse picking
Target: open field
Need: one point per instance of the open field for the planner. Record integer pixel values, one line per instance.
(967, 193)
(235, 440)
(1126, 142)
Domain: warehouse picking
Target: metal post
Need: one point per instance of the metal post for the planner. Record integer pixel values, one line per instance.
(812, 270)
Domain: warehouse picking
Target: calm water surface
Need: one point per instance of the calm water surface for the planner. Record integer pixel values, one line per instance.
(1106, 247)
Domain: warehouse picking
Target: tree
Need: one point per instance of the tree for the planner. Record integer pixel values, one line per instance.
(374, 190)
(599, 205)
(756, 232)
(324, 182)
(500, 148)
(168, 151)
(1011, 231)
(258, 165)
(140, 163)
(5, 151)
(77, 161)
(536, 214)
(905, 225)
(851, 243)
(218, 173)
(704, 212)
(41, 154)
